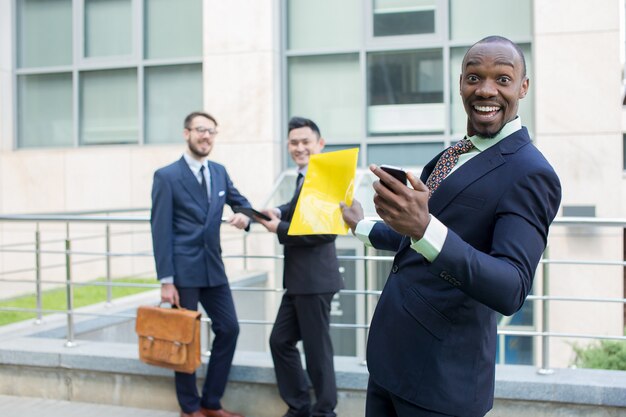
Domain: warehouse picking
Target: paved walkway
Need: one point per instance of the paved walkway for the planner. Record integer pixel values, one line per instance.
(28, 406)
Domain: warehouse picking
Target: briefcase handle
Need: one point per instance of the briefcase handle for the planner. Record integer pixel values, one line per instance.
(177, 306)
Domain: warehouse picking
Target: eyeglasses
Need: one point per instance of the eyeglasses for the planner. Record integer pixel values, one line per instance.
(203, 130)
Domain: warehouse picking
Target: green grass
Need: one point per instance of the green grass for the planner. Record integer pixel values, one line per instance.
(55, 299)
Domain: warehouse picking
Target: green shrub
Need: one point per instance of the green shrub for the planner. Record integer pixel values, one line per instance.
(608, 354)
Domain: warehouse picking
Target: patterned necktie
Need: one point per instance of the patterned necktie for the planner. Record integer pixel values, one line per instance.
(446, 162)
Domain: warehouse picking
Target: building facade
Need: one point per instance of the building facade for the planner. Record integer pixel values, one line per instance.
(93, 94)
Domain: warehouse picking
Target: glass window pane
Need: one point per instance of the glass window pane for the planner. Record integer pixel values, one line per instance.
(403, 17)
(44, 30)
(171, 93)
(404, 155)
(517, 350)
(324, 23)
(173, 28)
(405, 92)
(108, 28)
(108, 107)
(327, 89)
(45, 110)
(509, 18)
(458, 116)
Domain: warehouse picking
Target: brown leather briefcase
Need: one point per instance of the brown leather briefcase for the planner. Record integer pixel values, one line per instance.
(169, 337)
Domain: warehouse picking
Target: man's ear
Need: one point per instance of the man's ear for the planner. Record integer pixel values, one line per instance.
(524, 87)
(460, 82)
(321, 143)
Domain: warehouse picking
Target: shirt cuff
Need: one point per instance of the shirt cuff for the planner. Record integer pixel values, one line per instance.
(167, 280)
(362, 231)
(431, 243)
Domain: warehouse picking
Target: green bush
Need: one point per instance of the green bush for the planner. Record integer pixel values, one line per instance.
(608, 354)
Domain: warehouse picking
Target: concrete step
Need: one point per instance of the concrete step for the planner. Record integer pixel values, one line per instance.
(11, 406)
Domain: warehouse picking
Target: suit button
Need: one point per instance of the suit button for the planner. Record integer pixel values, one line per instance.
(394, 269)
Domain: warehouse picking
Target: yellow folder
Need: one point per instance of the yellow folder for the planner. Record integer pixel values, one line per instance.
(328, 181)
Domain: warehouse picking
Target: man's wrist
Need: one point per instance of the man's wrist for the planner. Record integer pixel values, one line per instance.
(431, 243)
(167, 280)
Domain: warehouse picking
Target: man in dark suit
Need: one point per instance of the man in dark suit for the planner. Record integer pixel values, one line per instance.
(467, 244)
(188, 198)
(311, 277)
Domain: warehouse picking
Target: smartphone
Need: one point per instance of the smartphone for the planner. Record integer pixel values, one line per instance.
(250, 212)
(397, 173)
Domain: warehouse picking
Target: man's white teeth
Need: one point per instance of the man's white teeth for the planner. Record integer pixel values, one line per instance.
(487, 108)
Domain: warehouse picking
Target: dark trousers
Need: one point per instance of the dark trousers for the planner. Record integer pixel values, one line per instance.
(219, 306)
(306, 318)
(382, 403)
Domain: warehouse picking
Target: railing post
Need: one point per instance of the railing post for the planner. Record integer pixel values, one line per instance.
(38, 294)
(545, 319)
(108, 264)
(366, 303)
(69, 290)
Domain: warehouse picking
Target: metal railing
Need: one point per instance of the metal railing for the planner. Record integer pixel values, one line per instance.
(108, 218)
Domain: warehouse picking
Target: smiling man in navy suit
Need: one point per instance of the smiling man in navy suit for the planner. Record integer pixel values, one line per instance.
(188, 198)
(468, 237)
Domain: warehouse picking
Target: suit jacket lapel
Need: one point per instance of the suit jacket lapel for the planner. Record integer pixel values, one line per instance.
(190, 183)
(471, 171)
(474, 169)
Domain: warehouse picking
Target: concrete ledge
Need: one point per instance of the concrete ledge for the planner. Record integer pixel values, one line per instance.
(111, 373)
(574, 386)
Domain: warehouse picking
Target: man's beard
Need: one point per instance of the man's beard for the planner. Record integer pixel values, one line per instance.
(194, 150)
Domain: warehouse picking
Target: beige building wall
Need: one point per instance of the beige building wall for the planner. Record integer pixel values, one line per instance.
(241, 76)
(577, 85)
(578, 126)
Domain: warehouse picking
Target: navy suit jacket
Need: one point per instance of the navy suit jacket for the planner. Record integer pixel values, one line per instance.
(186, 229)
(311, 265)
(433, 335)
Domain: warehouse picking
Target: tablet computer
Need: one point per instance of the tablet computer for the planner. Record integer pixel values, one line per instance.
(250, 212)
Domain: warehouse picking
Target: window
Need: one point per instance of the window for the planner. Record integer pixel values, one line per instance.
(132, 82)
(405, 92)
(384, 74)
(310, 81)
(403, 17)
(324, 24)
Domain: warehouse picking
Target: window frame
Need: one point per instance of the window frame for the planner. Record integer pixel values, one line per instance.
(81, 64)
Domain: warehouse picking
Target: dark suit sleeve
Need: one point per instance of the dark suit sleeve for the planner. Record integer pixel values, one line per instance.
(161, 222)
(384, 237)
(502, 278)
(234, 197)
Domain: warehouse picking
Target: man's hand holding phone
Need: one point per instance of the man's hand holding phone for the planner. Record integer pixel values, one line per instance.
(403, 208)
(398, 173)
